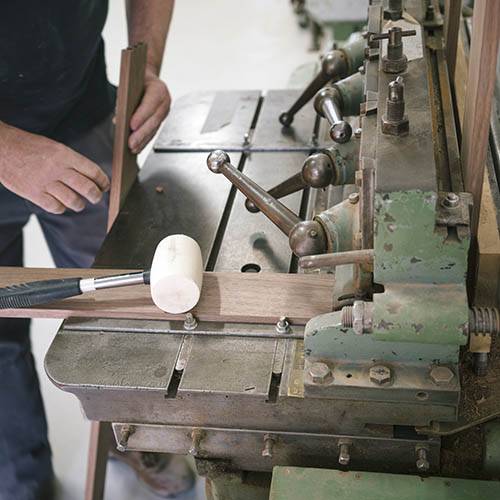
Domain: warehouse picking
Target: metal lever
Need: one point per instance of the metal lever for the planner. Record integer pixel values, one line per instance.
(305, 237)
(333, 66)
(336, 64)
(318, 171)
(328, 104)
(331, 166)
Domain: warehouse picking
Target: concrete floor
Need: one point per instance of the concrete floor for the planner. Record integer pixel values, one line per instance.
(221, 44)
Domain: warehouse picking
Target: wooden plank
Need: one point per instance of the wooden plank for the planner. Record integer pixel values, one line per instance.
(479, 99)
(100, 437)
(130, 91)
(452, 9)
(225, 297)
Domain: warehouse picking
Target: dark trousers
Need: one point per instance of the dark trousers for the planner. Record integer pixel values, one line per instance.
(73, 239)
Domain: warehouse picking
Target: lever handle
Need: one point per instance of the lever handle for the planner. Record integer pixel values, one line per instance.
(305, 237)
(333, 66)
(327, 104)
(317, 171)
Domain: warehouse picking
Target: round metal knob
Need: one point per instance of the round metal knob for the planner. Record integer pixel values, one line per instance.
(286, 119)
(216, 159)
(318, 171)
(307, 238)
(341, 132)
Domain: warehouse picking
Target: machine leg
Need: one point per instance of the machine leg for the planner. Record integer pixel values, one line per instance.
(100, 436)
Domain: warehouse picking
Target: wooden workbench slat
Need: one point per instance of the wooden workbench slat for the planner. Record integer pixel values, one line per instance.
(225, 297)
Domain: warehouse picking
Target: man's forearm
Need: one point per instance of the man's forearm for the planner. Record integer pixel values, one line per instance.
(148, 22)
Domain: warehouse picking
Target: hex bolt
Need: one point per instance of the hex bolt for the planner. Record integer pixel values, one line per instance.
(344, 451)
(422, 462)
(283, 326)
(353, 198)
(394, 10)
(359, 317)
(320, 373)
(269, 441)
(190, 322)
(125, 433)
(380, 374)
(441, 375)
(196, 437)
(451, 200)
(395, 122)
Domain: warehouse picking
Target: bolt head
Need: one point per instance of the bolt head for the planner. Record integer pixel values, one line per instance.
(216, 159)
(380, 374)
(441, 375)
(422, 465)
(401, 127)
(451, 200)
(320, 373)
(353, 198)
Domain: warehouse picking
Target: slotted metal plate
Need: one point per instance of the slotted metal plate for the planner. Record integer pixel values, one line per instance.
(270, 135)
(203, 121)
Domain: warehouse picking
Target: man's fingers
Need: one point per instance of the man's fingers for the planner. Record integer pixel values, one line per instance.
(82, 185)
(93, 172)
(66, 196)
(155, 98)
(138, 140)
(50, 204)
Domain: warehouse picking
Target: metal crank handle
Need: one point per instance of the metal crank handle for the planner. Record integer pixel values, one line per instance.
(336, 64)
(39, 292)
(305, 237)
(318, 171)
(336, 259)
(327, 104)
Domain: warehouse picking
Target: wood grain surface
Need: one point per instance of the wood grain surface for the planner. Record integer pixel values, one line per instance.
(479, 99)
(225, 297)
(130, 91)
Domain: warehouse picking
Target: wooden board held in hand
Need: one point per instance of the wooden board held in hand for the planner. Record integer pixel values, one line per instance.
(225, 297)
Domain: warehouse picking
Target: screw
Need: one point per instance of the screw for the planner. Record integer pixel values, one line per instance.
(269, 440)
(320, 373)
(246, 139)
(196, 436)
(422, 462)
(441, 375)
(344, 451)
(353, 198)
(394, 121)
(380, 374)
(451, 200)
(126, 432)
(190, 322)
(357, 133)
(282, 326)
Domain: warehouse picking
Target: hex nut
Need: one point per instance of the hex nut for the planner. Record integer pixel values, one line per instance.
(320, 373)
(358, 312)
(380, 374)
(394, 65)
(401, 127)
(441, 375)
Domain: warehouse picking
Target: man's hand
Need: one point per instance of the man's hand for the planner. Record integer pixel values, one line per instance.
(152, 110)
(47, 173)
